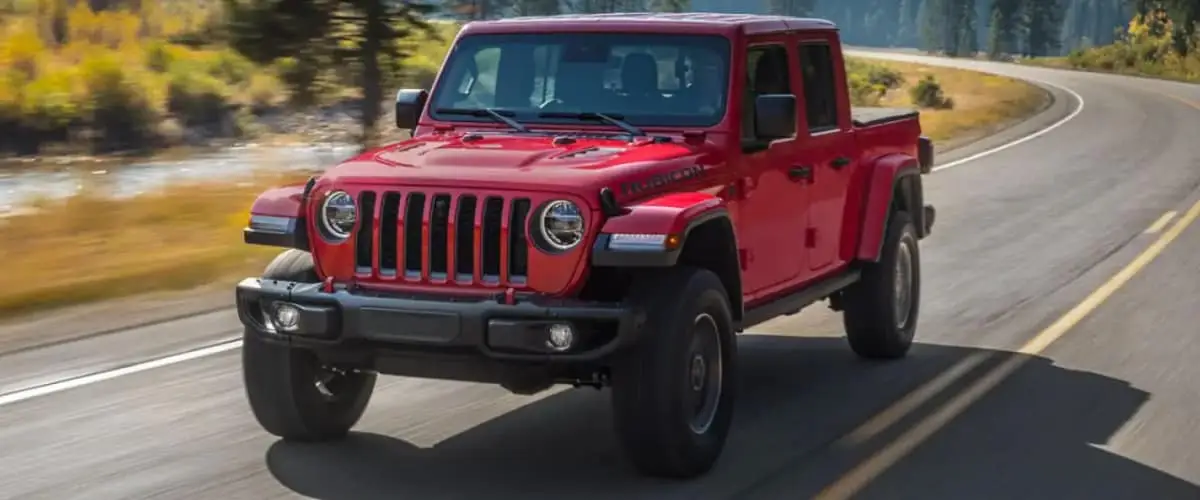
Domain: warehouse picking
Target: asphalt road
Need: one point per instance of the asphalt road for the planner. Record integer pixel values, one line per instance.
(1109, 409)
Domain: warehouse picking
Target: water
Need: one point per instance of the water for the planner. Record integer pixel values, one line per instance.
(18, 185)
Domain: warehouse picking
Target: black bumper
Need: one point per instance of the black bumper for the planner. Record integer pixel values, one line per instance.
(366, 324)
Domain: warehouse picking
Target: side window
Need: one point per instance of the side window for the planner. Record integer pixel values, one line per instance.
(766, 73)
(820, 87)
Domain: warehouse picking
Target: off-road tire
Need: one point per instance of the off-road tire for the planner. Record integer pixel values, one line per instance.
(876, 326)
(653, 380)
(281, 381)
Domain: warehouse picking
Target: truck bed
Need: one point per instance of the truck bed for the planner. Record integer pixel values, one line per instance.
(867, 117)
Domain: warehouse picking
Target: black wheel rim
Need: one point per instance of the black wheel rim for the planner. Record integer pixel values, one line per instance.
(704, 377)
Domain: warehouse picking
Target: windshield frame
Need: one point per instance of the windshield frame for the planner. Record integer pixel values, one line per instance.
(721, 43)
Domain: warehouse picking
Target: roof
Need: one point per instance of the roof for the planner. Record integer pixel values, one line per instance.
(682, 22)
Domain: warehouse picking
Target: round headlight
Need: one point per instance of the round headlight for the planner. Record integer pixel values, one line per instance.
(338, 215)
(561, 225)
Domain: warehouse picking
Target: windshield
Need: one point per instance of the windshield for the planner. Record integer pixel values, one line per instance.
(643, 79)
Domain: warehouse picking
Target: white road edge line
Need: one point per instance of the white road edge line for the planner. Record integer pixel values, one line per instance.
(1078, 109)
(1021, 140)
(71, 383)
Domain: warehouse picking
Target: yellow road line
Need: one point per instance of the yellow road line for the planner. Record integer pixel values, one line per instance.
(1189, 102)
(1161, 222)
(860, 476)
(912, 400)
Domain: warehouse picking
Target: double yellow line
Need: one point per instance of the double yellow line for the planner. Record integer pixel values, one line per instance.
(861, 475)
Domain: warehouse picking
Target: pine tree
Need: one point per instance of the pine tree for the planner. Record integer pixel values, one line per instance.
(928, 21)
(536, 7)
(360, 34)
(1043, 26)
(965, 26)
(798, 8)
(1003, 28)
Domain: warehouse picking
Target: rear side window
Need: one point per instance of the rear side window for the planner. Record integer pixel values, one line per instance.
(820, 96)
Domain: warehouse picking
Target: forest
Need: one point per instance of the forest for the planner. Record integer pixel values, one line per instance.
(141, 74)
(953, 27)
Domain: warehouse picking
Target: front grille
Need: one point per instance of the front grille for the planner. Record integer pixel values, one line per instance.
(441, 238)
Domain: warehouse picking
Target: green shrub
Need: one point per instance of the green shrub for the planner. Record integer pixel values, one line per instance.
(50, 102)
(862, 91)
(1149, 46)
(928, 93)
(264, 91)
(886, 77)
(869, 82)
(121, 106)
(160, 56)
(230, 67)
(196, 98)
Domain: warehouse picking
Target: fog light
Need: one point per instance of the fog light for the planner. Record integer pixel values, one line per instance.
(286, 317)
(560, 337)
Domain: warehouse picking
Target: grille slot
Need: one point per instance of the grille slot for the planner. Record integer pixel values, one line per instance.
(439, 220)
(464, 239)
(439, 238)
(518, 244)
(389, 234)
(492, 220)
(414, 218)
(366, 228)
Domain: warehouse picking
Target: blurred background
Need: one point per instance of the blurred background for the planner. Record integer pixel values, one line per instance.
(134, 134)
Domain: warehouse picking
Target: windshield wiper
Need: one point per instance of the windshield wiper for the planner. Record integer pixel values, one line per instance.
(611, 119)
(501, 116)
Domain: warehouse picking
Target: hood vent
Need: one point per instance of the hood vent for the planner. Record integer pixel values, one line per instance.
(592, 152)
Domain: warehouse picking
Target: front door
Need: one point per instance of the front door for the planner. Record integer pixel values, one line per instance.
(772, 200)
(828, 147)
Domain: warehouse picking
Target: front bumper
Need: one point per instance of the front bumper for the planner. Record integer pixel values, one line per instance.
(369, 324)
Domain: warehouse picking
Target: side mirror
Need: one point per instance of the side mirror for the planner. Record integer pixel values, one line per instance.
(409, 105)
(774, 116)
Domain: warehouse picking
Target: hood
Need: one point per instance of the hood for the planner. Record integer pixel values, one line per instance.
(540, 163)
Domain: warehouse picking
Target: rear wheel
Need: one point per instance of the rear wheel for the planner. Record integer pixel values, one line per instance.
(881, 309)
(673, 394)
(291, 393)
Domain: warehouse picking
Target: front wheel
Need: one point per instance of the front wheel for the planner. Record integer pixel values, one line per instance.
(673, 394)
(291, 393)
(881, 309)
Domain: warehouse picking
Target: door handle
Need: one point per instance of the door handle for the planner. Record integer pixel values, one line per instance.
(839, 162)
(800, 172)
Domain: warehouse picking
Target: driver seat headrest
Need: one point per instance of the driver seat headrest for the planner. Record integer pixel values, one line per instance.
(639, 73)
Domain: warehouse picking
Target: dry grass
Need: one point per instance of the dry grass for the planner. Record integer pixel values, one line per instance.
(90, 247)
(983, 103)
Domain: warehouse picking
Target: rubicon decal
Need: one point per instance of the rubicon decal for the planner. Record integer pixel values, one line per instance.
(658, 181)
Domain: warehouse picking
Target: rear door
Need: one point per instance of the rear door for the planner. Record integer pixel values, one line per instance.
(826, 146)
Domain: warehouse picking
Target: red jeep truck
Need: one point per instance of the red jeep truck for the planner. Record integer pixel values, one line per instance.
(597, 200)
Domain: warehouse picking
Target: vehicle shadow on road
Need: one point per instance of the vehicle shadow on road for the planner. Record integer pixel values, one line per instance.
(797, 397)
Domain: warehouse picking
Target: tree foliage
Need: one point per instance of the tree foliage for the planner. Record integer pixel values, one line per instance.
(362, 36)
(961, 27)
